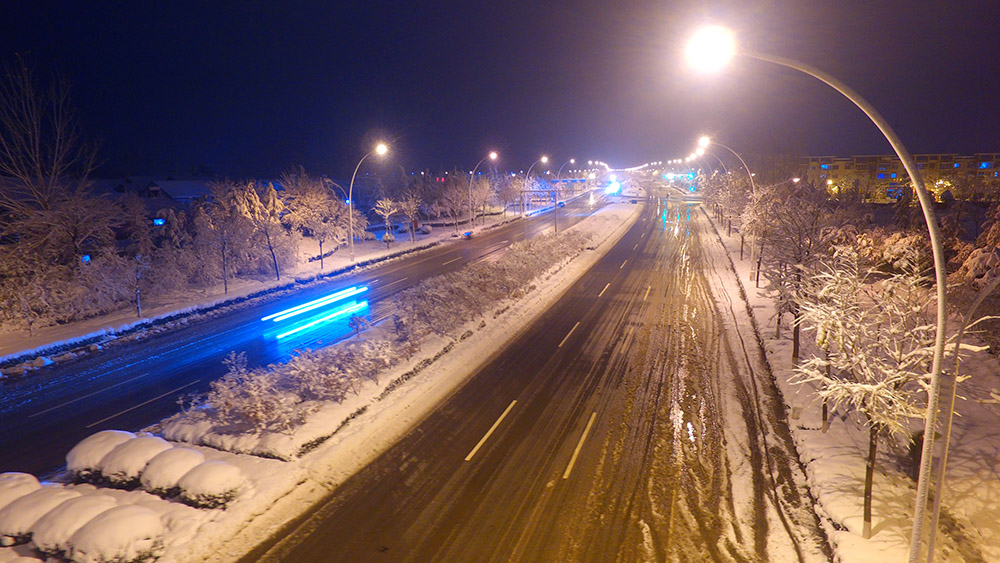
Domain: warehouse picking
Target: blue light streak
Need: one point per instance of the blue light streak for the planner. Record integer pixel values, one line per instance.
(323, 301)
(342, 312)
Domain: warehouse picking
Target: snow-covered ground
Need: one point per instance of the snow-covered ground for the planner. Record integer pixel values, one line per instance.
(835, 460)
(266, 492)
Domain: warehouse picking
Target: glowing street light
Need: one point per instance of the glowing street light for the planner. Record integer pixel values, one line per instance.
(380, 149)
(710, 49)
(492, 156)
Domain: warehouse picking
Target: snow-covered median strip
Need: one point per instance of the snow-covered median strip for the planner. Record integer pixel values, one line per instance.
(331, 441)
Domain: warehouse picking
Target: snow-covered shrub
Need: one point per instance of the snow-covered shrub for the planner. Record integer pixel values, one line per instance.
(212, 484)
(83, 459)
(979, 269)
(255, 396)
(17, 518)
(52, 532)
(426, 229)
(126, 533)
(316, 377)
(15, 485)
(165, 470)
(121, 466)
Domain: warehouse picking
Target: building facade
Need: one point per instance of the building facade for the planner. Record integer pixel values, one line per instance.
(883, 178)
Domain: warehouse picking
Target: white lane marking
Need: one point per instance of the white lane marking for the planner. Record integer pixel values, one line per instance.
(648, 287)
(490, 431)
(452, 260)
(636, 246)
(142, 404)
(82, 397)
(623, 264)
(565, 338)
(397, 281)
(576, 452)
(605, 289)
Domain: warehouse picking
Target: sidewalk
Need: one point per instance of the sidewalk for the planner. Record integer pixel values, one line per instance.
(835, 460)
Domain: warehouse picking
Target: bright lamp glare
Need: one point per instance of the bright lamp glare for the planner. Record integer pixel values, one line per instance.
(493, 155)
(704, 141)
(544, 159)
(381, 148)
(710, 48)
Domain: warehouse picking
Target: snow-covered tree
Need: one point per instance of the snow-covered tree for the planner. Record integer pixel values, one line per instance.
(791, 219)
(509, 191)
(43, 155)
(877, 336)
(315, 210)
(265, 210)
(483, 192)
(409, 207)
(222, 225)
(386, 208)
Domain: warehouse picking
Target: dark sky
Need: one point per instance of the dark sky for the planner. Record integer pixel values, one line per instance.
(252, 88)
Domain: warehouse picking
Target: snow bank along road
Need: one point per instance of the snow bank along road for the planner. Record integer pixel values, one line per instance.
(133, 385)
(633, 421)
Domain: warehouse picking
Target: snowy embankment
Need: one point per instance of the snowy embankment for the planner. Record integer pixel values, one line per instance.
(835, 460)
(216, 503)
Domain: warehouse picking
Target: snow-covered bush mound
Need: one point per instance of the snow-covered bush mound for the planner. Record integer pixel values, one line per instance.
(212, 484)
(83, 459)
(164, 471)
(15, 485)
(124, 533)
(18, 517)
(52, 532)
(121, 466)
(981, 267)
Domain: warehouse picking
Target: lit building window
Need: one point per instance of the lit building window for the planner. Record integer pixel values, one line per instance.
(986, 165)
(824, 166)
(881, 176)
(893, 175)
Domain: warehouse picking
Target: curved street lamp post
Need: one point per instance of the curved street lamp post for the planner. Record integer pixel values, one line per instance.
(380, 149)
(492, 156)
(555, 204)
(543, 160)
(712, 48)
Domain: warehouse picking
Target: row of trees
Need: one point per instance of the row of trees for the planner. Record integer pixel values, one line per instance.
(67, 254)
(856, 278)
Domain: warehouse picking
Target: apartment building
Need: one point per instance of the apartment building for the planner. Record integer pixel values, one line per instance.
(882, 177)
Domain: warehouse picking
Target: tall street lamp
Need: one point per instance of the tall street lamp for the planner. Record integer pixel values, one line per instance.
(543, 160)
(492, 156)
(705, 142)
(555, 205)
(710, 49)
(380, 149)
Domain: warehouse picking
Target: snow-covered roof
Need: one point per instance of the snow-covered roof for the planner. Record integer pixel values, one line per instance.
(180, 190)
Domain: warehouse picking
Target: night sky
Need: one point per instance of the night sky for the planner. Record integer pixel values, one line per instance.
(251, 88)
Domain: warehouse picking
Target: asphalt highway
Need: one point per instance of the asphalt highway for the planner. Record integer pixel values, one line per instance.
(632, 422)
(131, 385)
